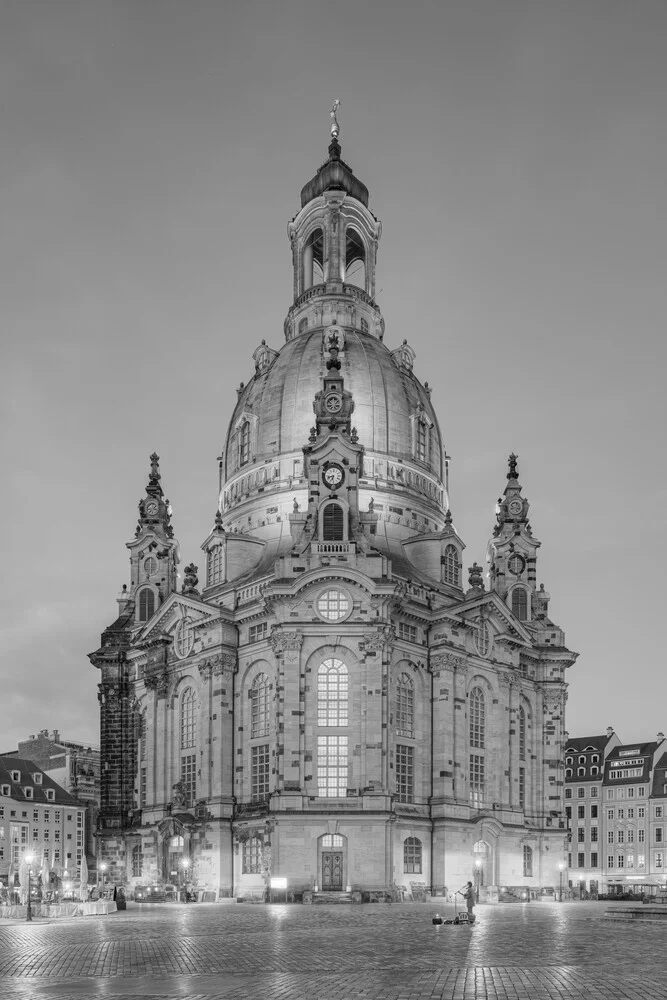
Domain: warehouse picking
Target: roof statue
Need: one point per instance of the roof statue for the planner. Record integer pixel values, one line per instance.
(334, 121)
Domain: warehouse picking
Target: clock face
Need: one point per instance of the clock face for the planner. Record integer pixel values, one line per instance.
(151, 508)
(333, 476)
(515, 507)
(333, 403)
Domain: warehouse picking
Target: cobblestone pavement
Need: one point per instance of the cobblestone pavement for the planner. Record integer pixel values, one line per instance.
(371, 952)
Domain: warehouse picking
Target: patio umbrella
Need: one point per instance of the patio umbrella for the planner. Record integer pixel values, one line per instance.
(84, 879)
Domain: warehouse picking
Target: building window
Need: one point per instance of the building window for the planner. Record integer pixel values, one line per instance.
(477, 718)
(581, 793)
(252, 856)
(594, 792)
(333, 605)
(422, 437)
(259, 707)
(620, 861)
(142, 788)
(581, 863)
(257, 632)
(184, 639)
(189, 777)
(333, 523)
(405, 707)
(620, 837)
(215, 565)
(581, 772)
(657, 857)
(520, 604)
(27, 791)
(610, 836)
(581, 834)
(188, 728)
(137, 861)
(50, 795)
(477, 779)
(412, 855)
(581, 812)
(332, 693)
(522, 733)
(146, 604)
(568, 812)
(568, 793)
(594, 859)
(610, 861)
(332, 766)
(259, 772)
(568, 772)
(404, 774)
(658, 812)
(407, 632)
(631, 836)
(522, 787)
(594, 834)
(658, 834)
(594, 812)
(244, 443)
(450, 563)
(527, 861)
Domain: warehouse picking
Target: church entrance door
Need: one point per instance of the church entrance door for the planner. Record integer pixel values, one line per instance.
(332, 871)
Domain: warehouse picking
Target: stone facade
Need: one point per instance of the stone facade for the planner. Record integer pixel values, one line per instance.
(334, 704)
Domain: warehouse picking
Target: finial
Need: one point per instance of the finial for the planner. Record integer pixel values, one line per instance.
(218, 521)
(334, 121)
(155, 468)
(448, 518)
(512, 474)
(476, 577)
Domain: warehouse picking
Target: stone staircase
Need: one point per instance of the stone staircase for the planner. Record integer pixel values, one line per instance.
(328, 897)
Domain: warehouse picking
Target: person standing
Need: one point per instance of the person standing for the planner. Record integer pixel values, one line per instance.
(468, 894)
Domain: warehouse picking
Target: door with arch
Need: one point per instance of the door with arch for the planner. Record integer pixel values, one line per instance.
(332, 862)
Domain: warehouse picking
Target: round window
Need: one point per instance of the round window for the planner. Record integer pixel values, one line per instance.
(333, 605)
(185, 638)
(150, 565)
(482, 638)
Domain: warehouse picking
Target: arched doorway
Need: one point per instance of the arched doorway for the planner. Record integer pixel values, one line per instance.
(481, 859)
(332, 862)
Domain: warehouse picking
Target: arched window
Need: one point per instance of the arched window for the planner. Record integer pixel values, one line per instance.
(412, 855)
(568, 772)
(333, 529)
(405, 707)
(522, 733)
(188, 727)
(313, 260)
(477, 718)
(582, 759)
(244, 443)
(259, 707)
(146, 604)
(332, 693)
(451, 566)
(527, 861)
(581, 772)
(422, 437)
(215, 565)
(188, 777)
(520, 604)
(355, 259)
(137, 861)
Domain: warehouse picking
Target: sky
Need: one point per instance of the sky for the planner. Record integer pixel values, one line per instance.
(152, 153)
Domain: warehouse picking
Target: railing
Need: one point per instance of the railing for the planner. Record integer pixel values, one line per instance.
(323, 548)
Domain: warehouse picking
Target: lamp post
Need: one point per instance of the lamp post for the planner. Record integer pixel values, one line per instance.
(478, 877)
(102, 867)
(29, 858)
(185, 864)
(561, 874)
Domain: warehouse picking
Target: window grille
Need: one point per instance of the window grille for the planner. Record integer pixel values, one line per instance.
(259, 707)
(188, 728)
(404, 773)
(412, 855)
(451, 566)
(146, 604)
(477, 779)
(332, 693)
(520, 604)
(333, 523)
(477, 718)
(527, 861)
(259, 772)
(332, 766)
(252, 857)
(405, 707)
(244, 443)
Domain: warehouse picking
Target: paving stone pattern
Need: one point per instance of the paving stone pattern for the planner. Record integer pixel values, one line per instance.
(371, 952)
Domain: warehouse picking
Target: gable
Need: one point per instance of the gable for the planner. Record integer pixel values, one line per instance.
(175, 609)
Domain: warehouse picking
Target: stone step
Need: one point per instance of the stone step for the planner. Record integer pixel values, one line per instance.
(333, 897)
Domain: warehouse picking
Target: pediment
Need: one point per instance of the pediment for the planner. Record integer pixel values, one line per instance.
(497, 615)
(168, 616)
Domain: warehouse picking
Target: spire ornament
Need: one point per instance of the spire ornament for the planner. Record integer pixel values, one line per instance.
(335, 129)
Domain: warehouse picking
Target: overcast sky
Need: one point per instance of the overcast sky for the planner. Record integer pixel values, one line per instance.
(151, 155)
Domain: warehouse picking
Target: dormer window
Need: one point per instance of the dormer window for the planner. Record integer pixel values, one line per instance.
(146, 604)
(15, 775)
(422, 438)
(520, 604)
(582, 759)
(450, 566)
(215, 569)
(50, 795)
(569, 760)
(244, 443)
(28, 792)
(581, 771)
(37, 778)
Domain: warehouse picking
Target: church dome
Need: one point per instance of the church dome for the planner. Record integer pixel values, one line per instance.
(393, 416)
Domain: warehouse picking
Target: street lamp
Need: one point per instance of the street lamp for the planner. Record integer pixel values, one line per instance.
(102, 867)
(561, 874)
(478, 877)
(185, 864)
(29, 858)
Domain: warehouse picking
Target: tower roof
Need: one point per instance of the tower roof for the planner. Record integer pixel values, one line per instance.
(334, 175)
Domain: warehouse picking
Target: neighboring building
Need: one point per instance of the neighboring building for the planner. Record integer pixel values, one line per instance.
(584, 771)
(75, 767)
(658, 821)
(335, 704)
(38, 816)
(633, 818)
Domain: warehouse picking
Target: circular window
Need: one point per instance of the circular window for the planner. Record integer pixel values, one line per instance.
(185, 638)
(333, 605)
(517, 564)
(150, 565)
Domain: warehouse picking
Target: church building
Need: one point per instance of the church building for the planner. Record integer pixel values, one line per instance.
(330, 698)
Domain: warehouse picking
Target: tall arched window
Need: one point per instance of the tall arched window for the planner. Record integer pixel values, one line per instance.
(450, 562)
(259, 707)
(146, 604)
(215, 565)
(477, 718)
(527, 861)
(188, 744)
(333, 529)
(137, 861)
(244, 443)
(355, 259)
(520, 604)
(477, 740)
(522, 733)
(412, 855)
(332, 693)
(405, 707)
(313, 259)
